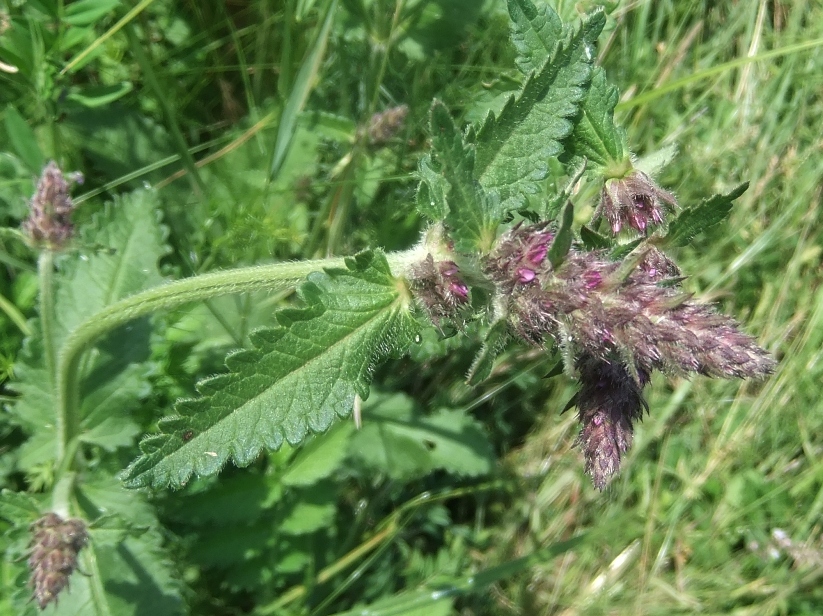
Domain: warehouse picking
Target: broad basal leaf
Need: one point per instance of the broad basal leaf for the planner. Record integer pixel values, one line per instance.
(705, 215)
(513, 148)
(451, 188)
(298, 377)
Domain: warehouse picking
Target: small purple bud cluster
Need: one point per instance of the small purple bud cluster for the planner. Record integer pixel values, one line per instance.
(438, 287)
(55, 545)
(386, 124)
(633, 201)
(49, 222)
(617, 324)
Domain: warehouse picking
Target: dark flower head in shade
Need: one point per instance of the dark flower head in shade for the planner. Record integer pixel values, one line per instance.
(437, 285)
(49, 222)
(633, 201)
(610, 400)
(55, 545)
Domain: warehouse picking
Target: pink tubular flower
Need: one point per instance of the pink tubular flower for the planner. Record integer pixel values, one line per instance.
(634, 201)
(438, 287)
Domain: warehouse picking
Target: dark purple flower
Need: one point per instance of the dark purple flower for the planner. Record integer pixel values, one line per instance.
(438, 287)
(610, 400)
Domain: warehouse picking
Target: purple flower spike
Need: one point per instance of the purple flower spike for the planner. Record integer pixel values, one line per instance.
(525, 275)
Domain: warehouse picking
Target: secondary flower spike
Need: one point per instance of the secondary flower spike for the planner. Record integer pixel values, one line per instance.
(49, 222)
(634, 201)
(608, 403)
(55, 546)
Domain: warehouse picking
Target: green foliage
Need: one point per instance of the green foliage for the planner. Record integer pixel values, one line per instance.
(700, 218)
(258, 130)
(295, 379)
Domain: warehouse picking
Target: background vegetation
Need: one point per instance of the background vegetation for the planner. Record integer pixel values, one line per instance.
(249, 120)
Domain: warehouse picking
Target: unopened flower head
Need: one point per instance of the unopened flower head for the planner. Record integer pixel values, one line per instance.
(438, 287)
(610, 400)
(49, 222)
(633, 201)
(55, 545)
(386, 124)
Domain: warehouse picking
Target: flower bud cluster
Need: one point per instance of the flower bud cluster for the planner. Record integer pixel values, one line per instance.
(385, 124)
(49, 222)
(438, 286)
(55, 545)
(616, 323)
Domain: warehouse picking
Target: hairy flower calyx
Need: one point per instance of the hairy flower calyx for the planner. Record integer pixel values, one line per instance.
(633, 201)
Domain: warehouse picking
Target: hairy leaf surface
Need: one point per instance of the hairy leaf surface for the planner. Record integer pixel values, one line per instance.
(472, 214)
(513, 148)
(703, 216)
(125, 241)
(297, 378)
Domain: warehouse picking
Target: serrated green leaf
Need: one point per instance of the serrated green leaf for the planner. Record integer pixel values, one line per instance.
(85, 284)
(472, 215)
(563, 240)
(18, 508)
(399, 441)
(297, 378)
(596, 137)
(620, 251)
(593, 240)
(431, 193)
(319, 458)
(495, 341)
(513, 148)
(535, 29)
(703, 216)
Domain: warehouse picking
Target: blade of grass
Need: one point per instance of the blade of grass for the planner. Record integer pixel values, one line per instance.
(300, 92)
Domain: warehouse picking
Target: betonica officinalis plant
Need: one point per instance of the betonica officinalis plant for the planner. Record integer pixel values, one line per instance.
(542, 230)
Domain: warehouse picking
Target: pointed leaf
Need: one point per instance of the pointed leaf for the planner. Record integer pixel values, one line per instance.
(431, 193)
(513, 148)
(707, 214)
(534, 31)
(471, 214)
(596, 137)
(495, 341)
(298, 377)
(563, 240)
(592, 240)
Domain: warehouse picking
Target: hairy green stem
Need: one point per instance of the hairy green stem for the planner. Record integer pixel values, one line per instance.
(45, 276)
(277, 277)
